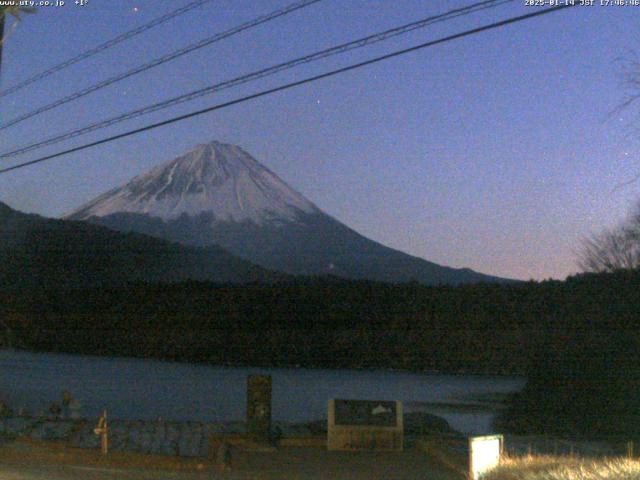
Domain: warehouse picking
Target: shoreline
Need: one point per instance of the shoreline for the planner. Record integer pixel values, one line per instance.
(269, 367)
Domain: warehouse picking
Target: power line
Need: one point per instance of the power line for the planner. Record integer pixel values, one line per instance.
(161, 60)
(297, 83)
(103, 46)
(359, 43)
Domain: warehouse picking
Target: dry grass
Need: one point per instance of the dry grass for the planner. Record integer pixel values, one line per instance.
(565, 468)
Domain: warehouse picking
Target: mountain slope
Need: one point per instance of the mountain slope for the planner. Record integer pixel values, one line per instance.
(218, 194)
(36, 251)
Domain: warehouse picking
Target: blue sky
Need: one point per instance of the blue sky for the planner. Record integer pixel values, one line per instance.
(496, 152)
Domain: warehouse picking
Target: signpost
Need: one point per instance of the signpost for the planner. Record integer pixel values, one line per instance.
(103, 432)
(484, 454)
(365, 425)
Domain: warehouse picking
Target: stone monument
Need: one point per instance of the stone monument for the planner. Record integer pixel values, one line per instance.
(365, 425)
(259, 406)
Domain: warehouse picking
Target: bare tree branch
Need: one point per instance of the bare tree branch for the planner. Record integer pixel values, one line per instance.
(613, 250)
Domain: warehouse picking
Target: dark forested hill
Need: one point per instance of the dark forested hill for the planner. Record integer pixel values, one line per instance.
(46, 253)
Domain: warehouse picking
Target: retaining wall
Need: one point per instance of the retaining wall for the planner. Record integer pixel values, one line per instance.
(185, 439)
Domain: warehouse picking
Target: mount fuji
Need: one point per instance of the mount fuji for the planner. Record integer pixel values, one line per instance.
(219, 194)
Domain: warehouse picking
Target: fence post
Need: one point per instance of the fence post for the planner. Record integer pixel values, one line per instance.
(630, 449)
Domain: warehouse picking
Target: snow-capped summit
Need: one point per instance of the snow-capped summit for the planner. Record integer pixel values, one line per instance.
(214, 178)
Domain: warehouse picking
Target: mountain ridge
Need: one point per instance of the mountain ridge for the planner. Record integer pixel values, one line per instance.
(40, 252)
(218, 194)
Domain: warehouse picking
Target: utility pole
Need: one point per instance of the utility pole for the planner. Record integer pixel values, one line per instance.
(2, 15)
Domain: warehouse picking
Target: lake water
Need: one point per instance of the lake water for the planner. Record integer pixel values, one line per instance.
(148, 389)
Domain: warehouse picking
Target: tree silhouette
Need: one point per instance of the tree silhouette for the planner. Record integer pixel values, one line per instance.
(613, 250)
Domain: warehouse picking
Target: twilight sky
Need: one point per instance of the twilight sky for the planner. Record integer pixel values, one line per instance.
(496, 152)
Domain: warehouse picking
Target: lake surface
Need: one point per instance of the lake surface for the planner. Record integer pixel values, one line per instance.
(148, 389)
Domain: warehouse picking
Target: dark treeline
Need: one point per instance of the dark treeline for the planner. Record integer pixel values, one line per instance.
(584, 385)
(328, 323)
(577, 341)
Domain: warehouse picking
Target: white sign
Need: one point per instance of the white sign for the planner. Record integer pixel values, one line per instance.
(484, 454)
